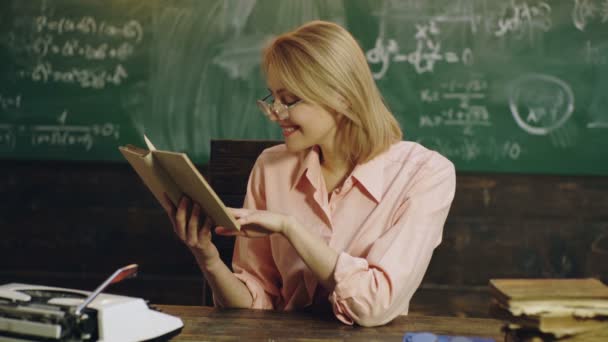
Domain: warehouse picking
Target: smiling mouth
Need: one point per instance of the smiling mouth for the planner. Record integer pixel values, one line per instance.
(289, 130)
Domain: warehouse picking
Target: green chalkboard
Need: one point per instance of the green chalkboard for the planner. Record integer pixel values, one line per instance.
(496, 86)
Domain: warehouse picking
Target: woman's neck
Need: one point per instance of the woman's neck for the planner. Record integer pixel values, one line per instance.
(334, 168)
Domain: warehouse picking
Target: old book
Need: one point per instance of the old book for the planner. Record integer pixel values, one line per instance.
(174, 174)
(523, 335)
(586, 297)
(555, 324)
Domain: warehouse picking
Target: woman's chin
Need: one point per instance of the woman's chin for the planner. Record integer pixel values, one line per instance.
(295, 146)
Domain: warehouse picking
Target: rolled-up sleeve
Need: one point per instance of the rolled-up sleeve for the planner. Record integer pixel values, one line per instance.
(374, 290)
(252, 260)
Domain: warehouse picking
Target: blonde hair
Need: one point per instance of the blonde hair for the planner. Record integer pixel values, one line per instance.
(321, 63)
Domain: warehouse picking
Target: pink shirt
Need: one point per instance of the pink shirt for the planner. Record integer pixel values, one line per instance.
(384, 222)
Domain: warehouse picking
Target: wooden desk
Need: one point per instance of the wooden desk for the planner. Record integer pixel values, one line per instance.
(202, 323)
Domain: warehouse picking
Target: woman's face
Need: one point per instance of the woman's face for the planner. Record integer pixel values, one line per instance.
(307, 125)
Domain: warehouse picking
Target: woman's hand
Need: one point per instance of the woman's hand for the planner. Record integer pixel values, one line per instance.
(257, 223)
(314, 250)
(186, 222)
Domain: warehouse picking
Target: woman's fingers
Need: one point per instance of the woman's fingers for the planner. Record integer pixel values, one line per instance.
(181, 218)
(226, 231)
(192, 230)
(186, 221)
(167, 204)
(250, 231)
(258, 221)
(240, 212)
(205, 232)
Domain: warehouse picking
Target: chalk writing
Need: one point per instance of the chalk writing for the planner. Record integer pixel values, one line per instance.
(465, 115)
(471, 149)
(467, 119)
(427, 53)
(106, 130)
(585, 11)
(596, 112)
(521, 18)
(461, 12)
(57, 40)
(10, 102)
(594, 55)
(72, 135)
(540, 103)
(62, 136)
(7, 137)
(471, 116)
(86, 78)
(464, 92)
(131, 30)
(45, 45)
(58, 135)
(511, 150)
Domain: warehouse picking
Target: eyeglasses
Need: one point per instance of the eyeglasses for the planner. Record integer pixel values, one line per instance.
(275, 108)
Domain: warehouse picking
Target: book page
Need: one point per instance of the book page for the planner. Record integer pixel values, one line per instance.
(179, 167)
(152, 174)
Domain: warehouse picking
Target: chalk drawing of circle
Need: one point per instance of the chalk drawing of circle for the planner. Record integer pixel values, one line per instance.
(540, 103)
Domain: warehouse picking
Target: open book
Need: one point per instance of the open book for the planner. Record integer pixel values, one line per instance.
(174, 174)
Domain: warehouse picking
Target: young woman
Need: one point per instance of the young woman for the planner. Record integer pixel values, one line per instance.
(344, 214)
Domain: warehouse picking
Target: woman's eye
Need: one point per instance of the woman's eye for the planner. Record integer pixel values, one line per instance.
(289, 100)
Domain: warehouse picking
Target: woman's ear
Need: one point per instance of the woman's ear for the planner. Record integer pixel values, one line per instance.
(342, 119)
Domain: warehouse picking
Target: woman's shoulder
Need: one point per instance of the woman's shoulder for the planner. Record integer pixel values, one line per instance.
(415, 154)
(277, 155)
(277, 151)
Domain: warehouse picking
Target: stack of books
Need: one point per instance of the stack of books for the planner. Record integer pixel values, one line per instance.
(568, 310)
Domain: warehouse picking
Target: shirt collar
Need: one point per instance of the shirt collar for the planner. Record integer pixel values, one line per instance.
(309, 161)
(371, 176)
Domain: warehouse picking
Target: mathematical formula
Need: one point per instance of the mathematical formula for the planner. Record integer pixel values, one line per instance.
(471, 149)
(521, 19)
(85, 78)
(83, 136)
(466, 110)
(587, 11)
(87, 25)
(540, 103)
(516, 19)
(10, 102)
(428, 52)
(76, 51)
(47, 45)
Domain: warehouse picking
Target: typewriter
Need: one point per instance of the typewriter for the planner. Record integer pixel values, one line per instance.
(44, 313)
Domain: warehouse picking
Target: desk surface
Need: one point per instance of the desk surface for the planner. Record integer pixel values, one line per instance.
(203, 323)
